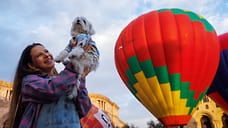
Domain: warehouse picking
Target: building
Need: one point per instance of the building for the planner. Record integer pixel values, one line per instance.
(5, 90)
(208, 114)
(109, 107)
(5, 93)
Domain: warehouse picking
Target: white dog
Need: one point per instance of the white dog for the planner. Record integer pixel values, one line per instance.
(81, 50)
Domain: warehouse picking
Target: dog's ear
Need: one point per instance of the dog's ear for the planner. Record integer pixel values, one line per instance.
(72, 28)
(91, 30)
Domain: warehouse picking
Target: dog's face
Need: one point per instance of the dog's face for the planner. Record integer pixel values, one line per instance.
(81, 25)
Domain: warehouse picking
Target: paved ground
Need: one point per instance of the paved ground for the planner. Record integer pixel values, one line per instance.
(4, 103)
(4, 107)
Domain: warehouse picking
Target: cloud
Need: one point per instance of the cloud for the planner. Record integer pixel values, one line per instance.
(219, 22)
(24, 21)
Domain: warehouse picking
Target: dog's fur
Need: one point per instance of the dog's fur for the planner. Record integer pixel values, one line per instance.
(78, 57)
(81, 25)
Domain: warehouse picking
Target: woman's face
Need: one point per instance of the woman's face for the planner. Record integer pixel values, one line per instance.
(41, 59)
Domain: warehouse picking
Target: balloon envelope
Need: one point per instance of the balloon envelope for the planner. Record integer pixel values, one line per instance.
(96, 118)
(219, 87)
(167, 58)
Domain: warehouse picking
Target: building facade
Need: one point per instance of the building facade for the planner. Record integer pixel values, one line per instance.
(110, 108)
(5, 93)
(208, 114)
(5, 90)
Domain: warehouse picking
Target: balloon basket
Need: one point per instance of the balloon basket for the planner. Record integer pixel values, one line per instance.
(175, 120)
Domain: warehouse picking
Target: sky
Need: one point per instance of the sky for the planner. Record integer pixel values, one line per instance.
(23, 22)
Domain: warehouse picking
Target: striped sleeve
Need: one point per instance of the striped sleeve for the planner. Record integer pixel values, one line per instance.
(45, 90)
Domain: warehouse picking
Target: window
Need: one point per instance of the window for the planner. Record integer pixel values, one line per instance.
(217, 106)
(98, 102)
(206, 122)
(104, 106)
(205, 99)
(101, 104)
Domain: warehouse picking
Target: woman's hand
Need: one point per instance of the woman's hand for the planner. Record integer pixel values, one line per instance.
(86, 72)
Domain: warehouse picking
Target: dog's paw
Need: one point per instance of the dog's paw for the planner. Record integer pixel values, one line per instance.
(62, 55)
(66, 61)
(58, 59)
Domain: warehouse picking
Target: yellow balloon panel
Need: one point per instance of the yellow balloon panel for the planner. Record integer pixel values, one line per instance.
(160, 97)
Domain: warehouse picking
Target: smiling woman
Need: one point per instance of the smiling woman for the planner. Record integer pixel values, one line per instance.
(39, 93)
(42, 60)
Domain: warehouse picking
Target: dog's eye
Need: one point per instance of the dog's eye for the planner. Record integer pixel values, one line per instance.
(81, 44)
(84, 21)
(93, 49)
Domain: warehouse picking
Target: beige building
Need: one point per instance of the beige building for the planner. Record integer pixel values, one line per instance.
(208, 115)
(5, 90)
(109, 107)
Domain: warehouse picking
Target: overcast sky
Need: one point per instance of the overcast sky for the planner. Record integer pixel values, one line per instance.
(48, 21)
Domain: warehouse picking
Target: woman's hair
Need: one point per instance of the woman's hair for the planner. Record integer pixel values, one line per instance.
(16, 107)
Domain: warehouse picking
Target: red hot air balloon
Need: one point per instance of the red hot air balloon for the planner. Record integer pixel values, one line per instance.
(167, 58)
(96, 118)
(219, 87)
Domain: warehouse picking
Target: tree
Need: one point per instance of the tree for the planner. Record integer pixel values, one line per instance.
(152, 124)
(126, 126)
(132, 126)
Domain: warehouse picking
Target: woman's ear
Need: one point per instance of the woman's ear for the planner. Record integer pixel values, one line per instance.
(34, 68)
(31, 66)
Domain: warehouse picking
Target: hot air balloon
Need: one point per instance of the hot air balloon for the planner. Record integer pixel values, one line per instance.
(218, 90)
(167, 58)
(96, 118)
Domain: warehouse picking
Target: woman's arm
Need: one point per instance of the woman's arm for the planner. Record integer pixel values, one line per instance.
(38, 89)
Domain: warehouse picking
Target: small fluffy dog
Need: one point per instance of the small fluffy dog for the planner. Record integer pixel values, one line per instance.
(81, 51)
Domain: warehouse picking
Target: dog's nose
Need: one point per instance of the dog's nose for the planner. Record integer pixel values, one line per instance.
(78, 21)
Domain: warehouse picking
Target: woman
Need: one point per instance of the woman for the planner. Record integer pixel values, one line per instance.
(39, 93)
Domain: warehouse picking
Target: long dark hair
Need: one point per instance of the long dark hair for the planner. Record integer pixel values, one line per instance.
(16, 107)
